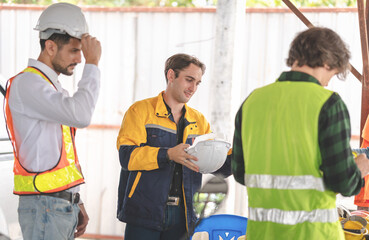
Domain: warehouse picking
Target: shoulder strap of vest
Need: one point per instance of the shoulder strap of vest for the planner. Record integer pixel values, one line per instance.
(40, 73)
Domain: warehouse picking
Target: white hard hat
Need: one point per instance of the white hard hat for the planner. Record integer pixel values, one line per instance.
(62, 18)
(210, 151)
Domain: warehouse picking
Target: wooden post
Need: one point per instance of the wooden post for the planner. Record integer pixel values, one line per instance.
(363, 26)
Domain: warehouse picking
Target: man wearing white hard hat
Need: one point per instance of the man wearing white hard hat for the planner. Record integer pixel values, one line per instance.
(158, 176)
(42, 119)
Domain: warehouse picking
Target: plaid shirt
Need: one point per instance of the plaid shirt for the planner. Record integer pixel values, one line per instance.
(340, 173)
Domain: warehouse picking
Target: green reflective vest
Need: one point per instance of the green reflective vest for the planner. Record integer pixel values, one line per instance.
(286, 193)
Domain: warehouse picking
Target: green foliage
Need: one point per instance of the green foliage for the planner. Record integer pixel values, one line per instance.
(302, 3)
(112, 3)
(163, 3)
(191, 3)
(38, 2)
(106, 3)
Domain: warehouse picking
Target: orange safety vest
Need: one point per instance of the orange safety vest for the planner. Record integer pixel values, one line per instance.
(362, 199)
(66, 174)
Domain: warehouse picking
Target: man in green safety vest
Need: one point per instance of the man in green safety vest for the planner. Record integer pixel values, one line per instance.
(291, 145)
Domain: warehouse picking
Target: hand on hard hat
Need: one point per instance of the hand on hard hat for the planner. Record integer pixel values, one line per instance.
(179, 155)
(91, 49)
(362, 163)
(210, 151)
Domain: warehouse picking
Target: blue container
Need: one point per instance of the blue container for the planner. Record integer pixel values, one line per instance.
(225, 226)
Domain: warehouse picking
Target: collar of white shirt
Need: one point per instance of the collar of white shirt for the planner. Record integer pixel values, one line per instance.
(50, 73)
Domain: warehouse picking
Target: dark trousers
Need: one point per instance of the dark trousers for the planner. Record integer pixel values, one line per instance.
(174, 227)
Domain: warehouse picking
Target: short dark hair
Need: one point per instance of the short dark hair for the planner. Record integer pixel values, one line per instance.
(59, 39)
(318, 46)
(180, 61)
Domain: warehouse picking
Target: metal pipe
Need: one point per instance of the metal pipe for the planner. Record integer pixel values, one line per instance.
(302, 17)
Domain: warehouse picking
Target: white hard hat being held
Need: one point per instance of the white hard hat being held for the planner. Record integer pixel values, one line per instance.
(211, 152)
(62, 18)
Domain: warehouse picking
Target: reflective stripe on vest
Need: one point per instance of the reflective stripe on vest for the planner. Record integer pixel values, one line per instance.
(64, 175)
(288, 183)
(293, 217)
(286, 193)
(284, 182)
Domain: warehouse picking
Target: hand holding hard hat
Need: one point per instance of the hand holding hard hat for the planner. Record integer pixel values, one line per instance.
(66, 18)
(179, 155)
(91, 49)
(211, 152)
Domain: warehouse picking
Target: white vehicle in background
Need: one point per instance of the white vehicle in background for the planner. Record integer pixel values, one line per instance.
(9, 226)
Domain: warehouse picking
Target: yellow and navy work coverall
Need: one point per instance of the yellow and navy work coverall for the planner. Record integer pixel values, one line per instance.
(147, 132)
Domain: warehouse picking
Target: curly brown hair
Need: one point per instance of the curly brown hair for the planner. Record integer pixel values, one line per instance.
(318, 46)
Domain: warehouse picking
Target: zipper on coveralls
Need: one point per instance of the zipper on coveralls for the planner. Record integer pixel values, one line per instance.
(171, 175)
(183, 192)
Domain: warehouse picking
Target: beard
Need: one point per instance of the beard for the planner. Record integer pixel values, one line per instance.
(60, 69)
(64, 70)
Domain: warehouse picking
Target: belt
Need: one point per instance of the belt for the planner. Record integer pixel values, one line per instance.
(71, 197)
(173, 201)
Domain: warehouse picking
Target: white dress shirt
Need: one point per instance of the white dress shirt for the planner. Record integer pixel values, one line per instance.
(38, 110)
